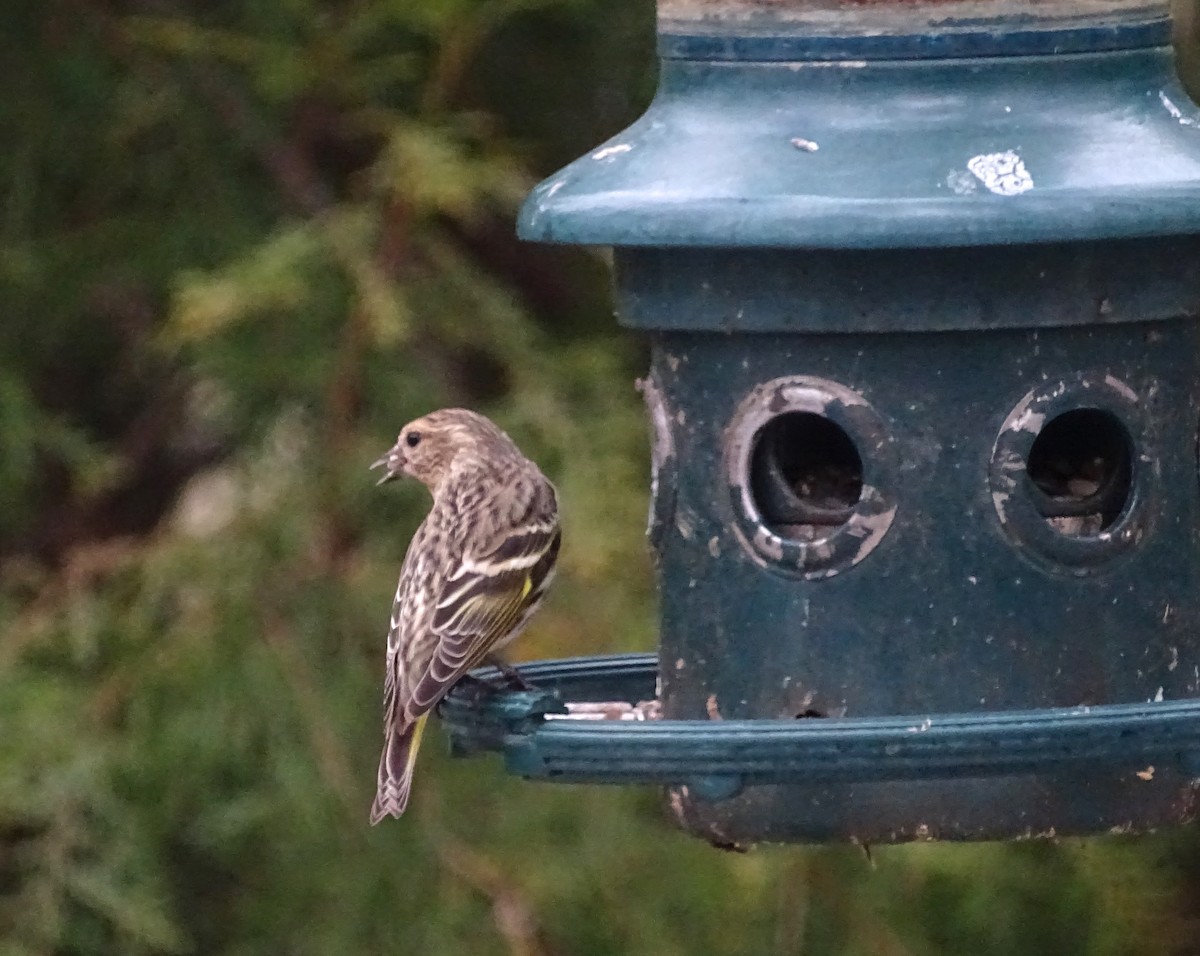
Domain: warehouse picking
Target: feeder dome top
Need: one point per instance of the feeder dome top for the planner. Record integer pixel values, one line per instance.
(823, 124)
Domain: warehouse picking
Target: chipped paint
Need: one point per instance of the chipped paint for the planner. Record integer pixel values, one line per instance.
(714, 546)
(877, 526)
(1121, 388)
(662, 455)
(610, 152)
(685, 523)
(712, 708)
(1176, 113)
(1029, 421)
(801, 398)
(805, 145)
(1147, 774)
(1003, 173)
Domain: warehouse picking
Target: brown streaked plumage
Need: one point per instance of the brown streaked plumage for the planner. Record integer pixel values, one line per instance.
(475, 572)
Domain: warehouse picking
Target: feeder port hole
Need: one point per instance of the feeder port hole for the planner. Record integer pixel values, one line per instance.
(1080, 469)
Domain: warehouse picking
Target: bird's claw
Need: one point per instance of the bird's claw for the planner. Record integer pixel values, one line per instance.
(476, 688)
(512, 677)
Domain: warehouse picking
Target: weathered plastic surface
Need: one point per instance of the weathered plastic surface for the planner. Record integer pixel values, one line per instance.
(965, 603)
(887, 141)
(545, 738)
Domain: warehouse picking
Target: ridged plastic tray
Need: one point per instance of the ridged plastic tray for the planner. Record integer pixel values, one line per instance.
(545, 734)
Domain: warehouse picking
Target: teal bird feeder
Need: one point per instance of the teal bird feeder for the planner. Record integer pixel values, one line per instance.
(921, 282)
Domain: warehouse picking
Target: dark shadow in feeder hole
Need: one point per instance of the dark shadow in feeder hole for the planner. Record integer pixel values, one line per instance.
(805, 475)
(1080, 471)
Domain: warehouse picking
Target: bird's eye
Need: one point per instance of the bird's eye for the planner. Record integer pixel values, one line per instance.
(412, 439)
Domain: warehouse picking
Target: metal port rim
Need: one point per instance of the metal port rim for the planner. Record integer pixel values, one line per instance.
(870, 518)
(1015, 513)
(716, 759)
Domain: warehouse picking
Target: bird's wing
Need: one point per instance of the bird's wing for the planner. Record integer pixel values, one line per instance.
(410, 610)
(392, 667)
(481, 603)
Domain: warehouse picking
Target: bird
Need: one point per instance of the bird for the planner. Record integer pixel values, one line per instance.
(475, 572)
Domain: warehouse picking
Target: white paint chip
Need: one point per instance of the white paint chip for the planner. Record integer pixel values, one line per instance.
(1176, 112)
(1001, 173)
(608, 152)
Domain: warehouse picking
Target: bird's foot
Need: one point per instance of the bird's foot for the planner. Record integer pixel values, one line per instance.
(477, 689)
(512, 677)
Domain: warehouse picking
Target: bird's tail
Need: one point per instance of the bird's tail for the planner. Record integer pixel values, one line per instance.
(396, 770)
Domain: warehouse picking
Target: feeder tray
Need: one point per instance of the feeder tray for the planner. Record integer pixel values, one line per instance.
(595, 720)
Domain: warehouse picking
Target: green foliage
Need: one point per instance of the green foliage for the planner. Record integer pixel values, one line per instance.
(240, 244)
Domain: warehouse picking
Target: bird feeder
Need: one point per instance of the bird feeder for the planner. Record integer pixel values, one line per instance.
(921, 283)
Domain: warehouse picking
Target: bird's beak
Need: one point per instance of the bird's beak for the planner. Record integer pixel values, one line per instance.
(393, 462)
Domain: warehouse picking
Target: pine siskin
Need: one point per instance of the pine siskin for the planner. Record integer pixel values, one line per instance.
(474, 573)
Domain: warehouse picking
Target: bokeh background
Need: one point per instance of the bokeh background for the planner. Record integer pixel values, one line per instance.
(241, 242)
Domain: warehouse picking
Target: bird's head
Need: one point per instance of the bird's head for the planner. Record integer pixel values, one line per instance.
(427, 448)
